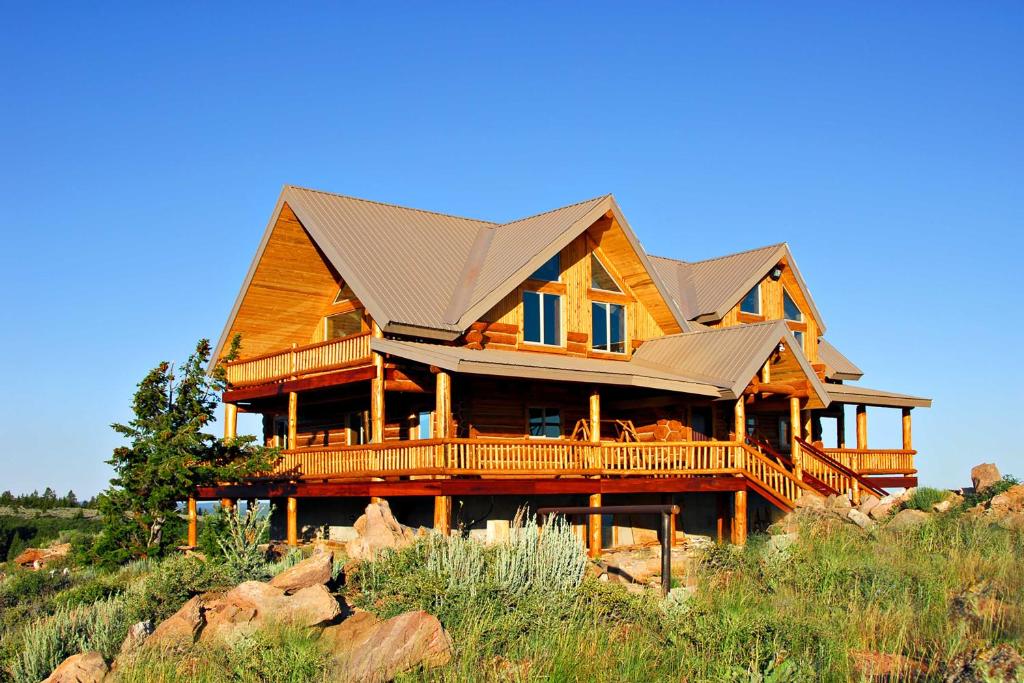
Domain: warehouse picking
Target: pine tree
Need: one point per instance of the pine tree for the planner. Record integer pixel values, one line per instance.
(169, 455)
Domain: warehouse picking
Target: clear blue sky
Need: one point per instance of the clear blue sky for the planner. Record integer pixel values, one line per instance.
(144, 148)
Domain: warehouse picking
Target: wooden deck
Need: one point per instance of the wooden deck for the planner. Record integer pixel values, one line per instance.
(334, 354)
(875, 461)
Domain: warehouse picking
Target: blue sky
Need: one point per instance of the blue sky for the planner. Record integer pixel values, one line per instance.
(144, 148)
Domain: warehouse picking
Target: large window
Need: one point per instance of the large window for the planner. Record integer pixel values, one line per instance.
(752, 301)
(799, 338)
(550, 271)
(790, 309)
(545, 423)
(608, 324)
(542, 318)
(600, 278)
(343, 324)
(344, 294)
(424, 424)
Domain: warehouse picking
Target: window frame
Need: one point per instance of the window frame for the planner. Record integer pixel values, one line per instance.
(759, 299)
(786, 295)
(557, 258)
(540, 294)
(545, 412)
(799, 335)
(615, 281)
(335, 314)
(608, 326)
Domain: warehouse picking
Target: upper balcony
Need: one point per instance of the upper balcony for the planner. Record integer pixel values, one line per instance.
(333, 354)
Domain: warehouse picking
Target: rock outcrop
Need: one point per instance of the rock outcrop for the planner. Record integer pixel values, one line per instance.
(37, 558)
(313, 571)
(85, 667)
(365, 649)
(907, 519)
(378, 529)
(984, 475)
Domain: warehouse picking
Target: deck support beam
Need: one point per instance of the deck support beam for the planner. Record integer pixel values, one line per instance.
(595, 415)
(740, 428)
(377, 393)
(862, 427)
(739, 517)
(442, 430)
(230, 421)
(193, 523)
(293, 419)
(908, 442)
(595, 527)
(227, 504)
(794, 436)
(293, 521)
(443, 515)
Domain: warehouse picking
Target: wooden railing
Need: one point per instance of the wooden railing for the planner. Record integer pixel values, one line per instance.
(452, 457)
(875, 461)
(332, 354)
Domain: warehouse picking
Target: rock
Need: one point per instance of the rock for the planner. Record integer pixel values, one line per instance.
(314, 571)
(884, 507)
(1000, 663)
(37, 558)
(810, 499)
(860, 519)
(85, 667)
(136, 637)
(181, 628)
(885, 667)
(984, 475)
(1011, 500)
(942, 506)
(365, 649)
(378, 529)
(840, 502)
(907, 519)
(1013, 521)
(867, 504)
(252, 604)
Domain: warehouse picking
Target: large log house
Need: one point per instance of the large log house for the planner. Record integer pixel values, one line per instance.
(462, 368)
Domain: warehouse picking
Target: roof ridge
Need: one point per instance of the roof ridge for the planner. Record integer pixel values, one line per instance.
(391, 205)
(560, 208)
(738, 253)
(705, 330)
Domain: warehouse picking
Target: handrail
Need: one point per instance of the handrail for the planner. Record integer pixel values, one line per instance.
(298, 347)
(885, 460)
(816, 482)
(839, 467)
(298, 360)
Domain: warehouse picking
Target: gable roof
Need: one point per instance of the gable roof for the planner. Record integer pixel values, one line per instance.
(545, 366)
(837, 366)
(440, 272)
(729, 356)
(713, 286)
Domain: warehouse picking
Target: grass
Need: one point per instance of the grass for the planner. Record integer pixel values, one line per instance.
(924, 498)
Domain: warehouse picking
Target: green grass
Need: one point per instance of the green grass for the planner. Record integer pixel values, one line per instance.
(924, 498)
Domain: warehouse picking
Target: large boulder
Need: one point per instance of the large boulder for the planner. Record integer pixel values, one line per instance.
(884, 507)
(181, 628)
(907, 519)
(365, 649)
(984, 475)
(860, 519)
(37, 558)
(252, 605)
(85, 667)
(868, 503)
(378, 529)
(313, 571)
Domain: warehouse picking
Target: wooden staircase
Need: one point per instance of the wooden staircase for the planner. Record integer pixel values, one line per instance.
(838, 476)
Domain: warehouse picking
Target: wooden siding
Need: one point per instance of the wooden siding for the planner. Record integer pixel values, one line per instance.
(284, 302)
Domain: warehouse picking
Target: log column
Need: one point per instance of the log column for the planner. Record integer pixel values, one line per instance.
(293, 521)
(908, 443)
(377, 393)
(227, 504)
(442, 430)
(595, 527)
(595, 415)
(230, 421)
(862, 428)
(293, 419)
(193, 518)
(740, 427)
(794, 436)
(739, 517)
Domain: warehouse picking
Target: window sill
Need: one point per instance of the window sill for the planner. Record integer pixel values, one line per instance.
(540, 348)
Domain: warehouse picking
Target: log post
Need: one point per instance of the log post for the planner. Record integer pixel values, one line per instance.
(794, 436)
(807, 425)
(741, 421)
(908, 443)
(720, 516)
(862, 427)
(595, 527)
(230, 421)
(227, 504)
(841, 427)
(443, 515)
(442, 430)
(595, 415)
(193, 519)
(293, 419)
(377, 393)
(739, 516)
(293, 521)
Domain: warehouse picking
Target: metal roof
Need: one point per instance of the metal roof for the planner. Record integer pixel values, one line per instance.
(837, 366)
(544, 366)
(729, 356)
(848, 393)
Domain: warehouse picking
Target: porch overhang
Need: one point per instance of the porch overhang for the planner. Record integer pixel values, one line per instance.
(857, 395)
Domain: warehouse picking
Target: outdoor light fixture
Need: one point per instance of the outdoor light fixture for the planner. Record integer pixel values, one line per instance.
(782, 347)
(776, 273)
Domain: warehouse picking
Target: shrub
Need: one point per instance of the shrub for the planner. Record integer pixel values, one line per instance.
(1002, 486)
(923, 498)
(240, 544)
(174, 581)
(545, 559)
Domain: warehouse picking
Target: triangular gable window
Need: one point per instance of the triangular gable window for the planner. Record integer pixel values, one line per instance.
(344, 294)
(600, 278)
(790, 309)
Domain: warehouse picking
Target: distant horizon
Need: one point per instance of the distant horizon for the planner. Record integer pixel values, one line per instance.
(882, 143)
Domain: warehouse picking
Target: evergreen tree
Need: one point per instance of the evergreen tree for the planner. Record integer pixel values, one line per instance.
(169, 455)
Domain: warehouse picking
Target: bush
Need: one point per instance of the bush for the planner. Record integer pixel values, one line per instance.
(1002, 486)
(174, 581)
(924, 498)
(240, 544)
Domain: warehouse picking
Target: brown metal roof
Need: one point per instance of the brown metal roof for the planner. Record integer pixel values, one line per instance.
(545, 366)
(837, 366)
(729, 356)
(849, 393)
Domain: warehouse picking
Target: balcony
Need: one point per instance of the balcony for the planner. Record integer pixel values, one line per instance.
(333, 354)
(874, 461)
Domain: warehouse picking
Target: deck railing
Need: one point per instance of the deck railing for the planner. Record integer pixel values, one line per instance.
(332, 354)
(874, 460)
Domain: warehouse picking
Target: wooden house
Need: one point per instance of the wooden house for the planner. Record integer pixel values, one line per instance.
(461, 368)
